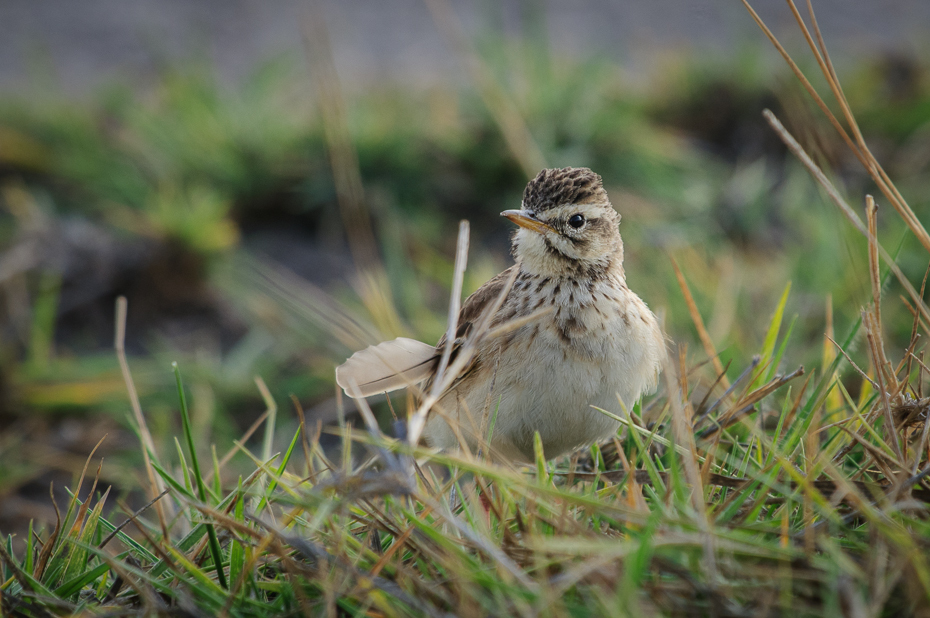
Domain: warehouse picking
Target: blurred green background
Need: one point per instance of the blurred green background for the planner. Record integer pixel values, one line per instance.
(215, 204)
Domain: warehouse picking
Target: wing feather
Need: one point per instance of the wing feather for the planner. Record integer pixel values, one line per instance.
(386, 367)
(475, 305)
(392, 365)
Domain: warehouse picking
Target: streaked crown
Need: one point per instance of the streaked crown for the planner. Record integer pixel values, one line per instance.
(567, 185)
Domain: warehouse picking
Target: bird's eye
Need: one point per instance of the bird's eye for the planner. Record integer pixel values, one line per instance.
(576, 221)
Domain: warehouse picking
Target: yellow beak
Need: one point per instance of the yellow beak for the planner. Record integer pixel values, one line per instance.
(524, 218)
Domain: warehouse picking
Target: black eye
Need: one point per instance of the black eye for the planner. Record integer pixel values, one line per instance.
(576, 221)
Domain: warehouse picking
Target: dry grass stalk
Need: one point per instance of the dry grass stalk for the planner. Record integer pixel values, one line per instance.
(698, 321)
(856, 145)
(418, 421)
(350, 193)
(837, 199)
(502, 108)
(156, 484)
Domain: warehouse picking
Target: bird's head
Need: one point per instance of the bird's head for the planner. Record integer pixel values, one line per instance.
(567, 225)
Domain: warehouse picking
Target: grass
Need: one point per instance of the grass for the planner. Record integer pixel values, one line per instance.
(747, 485)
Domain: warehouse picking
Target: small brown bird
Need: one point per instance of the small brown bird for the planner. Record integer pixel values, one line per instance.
(588, 340)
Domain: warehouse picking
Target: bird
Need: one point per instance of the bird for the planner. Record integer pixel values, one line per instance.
(581, 338)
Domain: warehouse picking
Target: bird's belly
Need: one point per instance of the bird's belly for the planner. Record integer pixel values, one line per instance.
(553, 396)
(557, 392)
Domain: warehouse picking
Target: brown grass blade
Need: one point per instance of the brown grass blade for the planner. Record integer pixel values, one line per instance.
(837, 199)
(704, 336)
(505, 113)
(156, 484)
(347, 175)
(858, 147)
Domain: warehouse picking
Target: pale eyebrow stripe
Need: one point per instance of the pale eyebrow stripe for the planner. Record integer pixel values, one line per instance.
(571, 209)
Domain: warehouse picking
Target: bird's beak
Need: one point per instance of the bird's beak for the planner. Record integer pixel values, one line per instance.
(525, 218)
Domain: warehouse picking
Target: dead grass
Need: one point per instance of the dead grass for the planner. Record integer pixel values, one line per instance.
(767, 494)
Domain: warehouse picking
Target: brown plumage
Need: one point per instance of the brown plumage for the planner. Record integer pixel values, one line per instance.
(591, 341)
(568, 185)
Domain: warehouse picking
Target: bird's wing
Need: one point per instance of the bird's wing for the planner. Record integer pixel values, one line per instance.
(386, 367)
(475, 305)
(395, 364)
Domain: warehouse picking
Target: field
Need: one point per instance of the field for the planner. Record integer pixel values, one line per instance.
(182, 270)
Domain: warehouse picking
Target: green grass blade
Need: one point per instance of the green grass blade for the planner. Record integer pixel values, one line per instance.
(185, 471)
(197, 532)
(776, 360)
(181, 489)
(542, 475)
(28, 563)
(236, 551)
(217, 480)
(201, 487)
(78, 559)
(74, 586)
(771, 337)
(274, 481)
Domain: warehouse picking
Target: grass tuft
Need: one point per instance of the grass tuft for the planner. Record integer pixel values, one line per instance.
(740, 489)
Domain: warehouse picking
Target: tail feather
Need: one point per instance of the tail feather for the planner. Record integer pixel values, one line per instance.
(386, 367)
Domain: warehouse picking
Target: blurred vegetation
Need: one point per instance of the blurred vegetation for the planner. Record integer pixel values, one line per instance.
(212, 208)
(218, 212)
